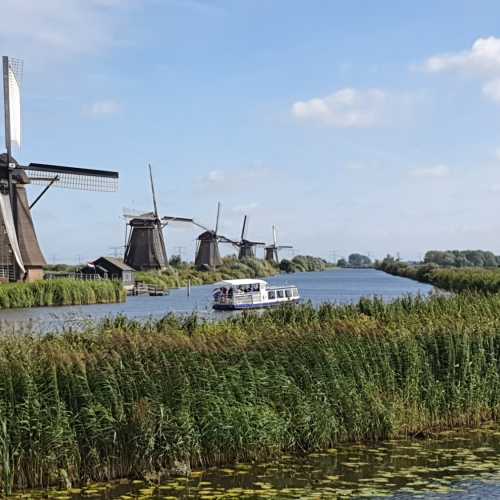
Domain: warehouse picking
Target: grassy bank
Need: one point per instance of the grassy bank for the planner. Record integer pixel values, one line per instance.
(178, 275)
(452, 279)
(62, 292)
(125, 398)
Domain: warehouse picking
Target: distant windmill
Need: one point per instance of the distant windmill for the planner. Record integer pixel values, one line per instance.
(247, 247)
(207, 250)
(20, 253)
(145, 247)
(271, 251)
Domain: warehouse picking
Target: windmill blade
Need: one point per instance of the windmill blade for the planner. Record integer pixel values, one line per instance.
(201, 226)
(256, 243)
(244, 228)
(274, 235)
(168, 218)
(12, 77)
(153, 190)
(218, 217)
(73, 177)
(225, 239)
(280, 247)
(143, 216)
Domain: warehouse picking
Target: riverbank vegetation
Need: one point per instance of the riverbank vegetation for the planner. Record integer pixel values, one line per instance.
(127, 398)
(304, 264)
(356, 260)
(60, 292)
(179, 273)
(451, 279)
(462, 258)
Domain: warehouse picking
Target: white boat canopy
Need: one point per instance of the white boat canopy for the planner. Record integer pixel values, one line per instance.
(246, 281)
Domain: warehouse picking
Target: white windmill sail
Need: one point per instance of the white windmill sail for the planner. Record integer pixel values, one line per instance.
(8, 219)
(12, 76)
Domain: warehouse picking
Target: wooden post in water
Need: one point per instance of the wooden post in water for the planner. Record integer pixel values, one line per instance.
(189, 288)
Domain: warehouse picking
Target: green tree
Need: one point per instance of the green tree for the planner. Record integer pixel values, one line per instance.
(359, 260)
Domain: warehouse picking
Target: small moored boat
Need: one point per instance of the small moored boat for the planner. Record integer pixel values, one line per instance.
(251, 294)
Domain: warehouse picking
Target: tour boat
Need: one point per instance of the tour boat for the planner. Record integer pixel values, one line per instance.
(252, 294)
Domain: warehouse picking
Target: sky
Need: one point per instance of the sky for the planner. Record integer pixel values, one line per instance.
(355, 126)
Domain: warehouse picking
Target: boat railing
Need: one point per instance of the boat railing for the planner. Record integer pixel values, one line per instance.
(239, 298)
(282, 287)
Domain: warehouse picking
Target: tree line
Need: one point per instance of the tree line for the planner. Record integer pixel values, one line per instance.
(462, 258)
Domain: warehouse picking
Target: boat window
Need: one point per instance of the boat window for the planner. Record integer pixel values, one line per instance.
(280, 294)
(288, 293)
(295, 292)
(271, 295)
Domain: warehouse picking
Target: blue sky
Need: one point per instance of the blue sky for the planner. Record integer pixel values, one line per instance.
(352, 126)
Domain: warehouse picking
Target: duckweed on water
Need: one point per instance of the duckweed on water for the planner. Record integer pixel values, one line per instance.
(408, 469)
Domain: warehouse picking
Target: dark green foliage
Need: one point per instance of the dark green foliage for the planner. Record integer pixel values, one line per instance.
(126, 398)
(462, 258)
(61, 292)
(303, 263)
(452, 279)
(359, 260)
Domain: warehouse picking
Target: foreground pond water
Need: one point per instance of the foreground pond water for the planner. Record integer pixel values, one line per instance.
(340, 286)
(453, 465)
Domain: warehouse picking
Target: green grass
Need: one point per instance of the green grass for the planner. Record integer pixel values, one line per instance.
(61, 292)
(232, 268)
(452, 279)
(125, 398)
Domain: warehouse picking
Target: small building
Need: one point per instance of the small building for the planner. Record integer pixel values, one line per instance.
(111, 268)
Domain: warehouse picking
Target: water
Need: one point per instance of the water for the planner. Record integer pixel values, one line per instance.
(340, 286)
(463, 465)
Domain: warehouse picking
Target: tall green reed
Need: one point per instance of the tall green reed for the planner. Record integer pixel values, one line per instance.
(125, 398)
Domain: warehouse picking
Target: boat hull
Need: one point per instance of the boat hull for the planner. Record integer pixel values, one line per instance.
(260, 305)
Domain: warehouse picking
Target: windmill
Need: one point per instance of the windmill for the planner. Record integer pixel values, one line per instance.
(247, 247)
(271, 251)
(145, 247)
(207, 249)
(20, 253)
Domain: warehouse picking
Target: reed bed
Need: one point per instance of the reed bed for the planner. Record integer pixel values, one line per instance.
(61, 292)
(453, 279)
(127, 398)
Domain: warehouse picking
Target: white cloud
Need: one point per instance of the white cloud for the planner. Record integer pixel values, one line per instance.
(52, 29)
(244, 209)
(233, 180)
(346, 108)
(433, 171)
(482, 58)
(482, 61)
(491, 90)
(102, 108)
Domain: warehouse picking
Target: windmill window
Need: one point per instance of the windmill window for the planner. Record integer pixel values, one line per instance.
(280, 294)
(271, 295)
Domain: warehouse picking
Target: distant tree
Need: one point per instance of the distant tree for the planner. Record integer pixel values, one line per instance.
(175, 261)
(462, 258)
(342, 263)
(359, 260)
(489, 259)
(286, 266)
